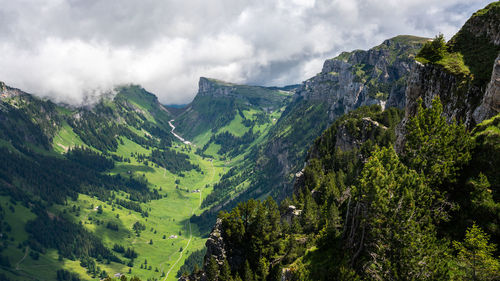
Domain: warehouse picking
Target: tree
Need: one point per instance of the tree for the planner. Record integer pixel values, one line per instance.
(475, 256)
(247, 272)
(396, 234)
(225, 272)
(434, 50)
(212, 269)
(434, 147)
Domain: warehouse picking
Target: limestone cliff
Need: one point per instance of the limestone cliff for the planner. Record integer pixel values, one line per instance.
(376, 76)
(354, 79)
(490, 105)
(217, 103)
(466, 85)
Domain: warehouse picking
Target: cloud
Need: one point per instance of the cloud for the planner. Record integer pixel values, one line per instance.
(70, 49)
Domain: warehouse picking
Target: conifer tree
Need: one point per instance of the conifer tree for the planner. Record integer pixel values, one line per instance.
(225, 272)
(475, 256)
(434, 147)
(396, 209)
(212, 269)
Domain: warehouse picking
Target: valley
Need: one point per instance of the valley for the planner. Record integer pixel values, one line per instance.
(157, 231)
(167, 225)
(382, 166)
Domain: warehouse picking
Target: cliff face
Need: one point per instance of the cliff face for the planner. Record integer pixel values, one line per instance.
(376, 76)
(459, 96)
(354, 79)
(217, 102)
(8, 92)
(472, 94)
(490, 105)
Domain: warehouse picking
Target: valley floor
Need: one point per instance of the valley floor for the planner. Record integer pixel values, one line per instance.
(162, 247)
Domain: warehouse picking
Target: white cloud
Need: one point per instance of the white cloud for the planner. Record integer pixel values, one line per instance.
(69, 49)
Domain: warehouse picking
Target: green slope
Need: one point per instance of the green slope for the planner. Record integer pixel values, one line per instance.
(124, 130)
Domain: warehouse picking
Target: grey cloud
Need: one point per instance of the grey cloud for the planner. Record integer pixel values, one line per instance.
(69, 49)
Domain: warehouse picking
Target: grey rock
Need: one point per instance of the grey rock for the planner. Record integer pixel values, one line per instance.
(490, 105)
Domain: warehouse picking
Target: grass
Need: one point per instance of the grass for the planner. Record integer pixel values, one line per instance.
(491, 7)
(452, 62)
(235, 127)
(167, 216)
(65, 139)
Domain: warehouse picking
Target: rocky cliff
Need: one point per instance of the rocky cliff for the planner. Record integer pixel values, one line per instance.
(463, 79)
(376, 76)
(352, 79)
(490, 104)
(217, 102)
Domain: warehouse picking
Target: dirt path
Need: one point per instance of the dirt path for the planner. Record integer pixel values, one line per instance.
(199, 206)
(25, 255)
(192, 210)
(183, 249)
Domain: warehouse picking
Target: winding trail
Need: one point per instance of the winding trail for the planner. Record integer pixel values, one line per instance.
(192, 210)
(21, 260)
(183, 249)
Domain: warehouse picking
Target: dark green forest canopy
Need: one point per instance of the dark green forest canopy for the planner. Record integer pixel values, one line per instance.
(362, 211)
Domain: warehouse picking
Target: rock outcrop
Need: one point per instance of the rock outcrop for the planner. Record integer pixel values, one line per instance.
(376, 76)
(352, 79)
(470, 95)
(217, 103)
(9, 92)
(458, 95)
(490, 105)
(346, 140)
(216, 247)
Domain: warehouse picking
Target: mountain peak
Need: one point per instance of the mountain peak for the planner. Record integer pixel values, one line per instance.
(406, 39)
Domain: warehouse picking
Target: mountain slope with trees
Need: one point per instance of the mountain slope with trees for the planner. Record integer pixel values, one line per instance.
(361, 210)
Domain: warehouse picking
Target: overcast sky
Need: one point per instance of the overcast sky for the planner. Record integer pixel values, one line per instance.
(69, 49)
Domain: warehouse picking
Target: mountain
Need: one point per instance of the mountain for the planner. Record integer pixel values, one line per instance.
(362, 210)
(384, 166)
(80, 185)
(462, 75)
(351, 80)
(377, 76)
(87, 190)
(217, 103)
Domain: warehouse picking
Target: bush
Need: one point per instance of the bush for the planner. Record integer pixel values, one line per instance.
(433, 50)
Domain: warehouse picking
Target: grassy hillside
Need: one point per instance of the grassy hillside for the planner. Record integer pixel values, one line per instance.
(218, 103)
(115, 175)
(118, 184)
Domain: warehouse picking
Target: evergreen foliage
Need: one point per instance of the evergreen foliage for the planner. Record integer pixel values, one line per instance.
(173, 161)
(434, 50)
(193, 263)
(476, 260)
(368, 213)
(434, 147)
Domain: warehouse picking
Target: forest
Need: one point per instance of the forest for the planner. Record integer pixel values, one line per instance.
(372, 213)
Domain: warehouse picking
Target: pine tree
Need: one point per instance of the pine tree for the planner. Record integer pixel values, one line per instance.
(475, 256)
(225, 272)
(434, 147)
(434, 50)
(247, 272)
(395, 205)
(212, 269)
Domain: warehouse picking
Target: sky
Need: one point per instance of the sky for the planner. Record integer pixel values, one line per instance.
(70, 50)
